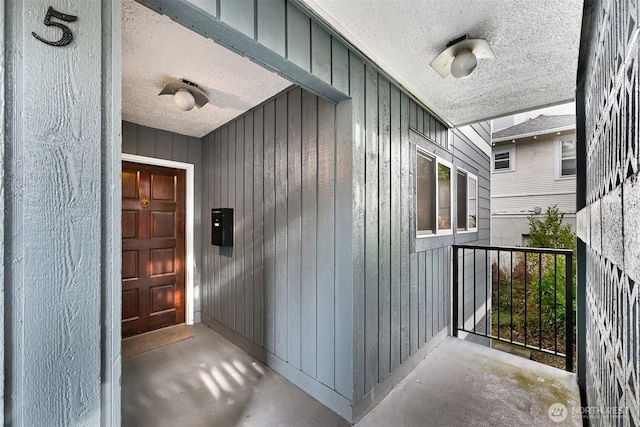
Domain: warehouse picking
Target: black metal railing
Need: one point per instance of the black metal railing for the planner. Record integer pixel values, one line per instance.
(517, 295)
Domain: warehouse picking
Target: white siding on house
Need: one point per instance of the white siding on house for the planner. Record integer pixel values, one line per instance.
(533, 183)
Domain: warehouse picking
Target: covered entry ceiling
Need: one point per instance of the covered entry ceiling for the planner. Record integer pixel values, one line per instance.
(156, 51)
(536, 46)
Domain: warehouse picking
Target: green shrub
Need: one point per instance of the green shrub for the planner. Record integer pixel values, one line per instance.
(550, 232)
(544, 290)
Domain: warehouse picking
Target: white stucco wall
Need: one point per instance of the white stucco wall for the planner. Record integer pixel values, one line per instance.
(509, 230)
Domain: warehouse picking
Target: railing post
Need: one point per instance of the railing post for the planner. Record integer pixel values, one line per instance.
(569, 309)
(454, 299)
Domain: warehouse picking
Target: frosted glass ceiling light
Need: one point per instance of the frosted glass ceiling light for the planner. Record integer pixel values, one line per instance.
(461, 56)
(184, 100)
(463, 64)
(186, 95)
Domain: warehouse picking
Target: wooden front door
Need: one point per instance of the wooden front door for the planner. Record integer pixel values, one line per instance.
(153, 254)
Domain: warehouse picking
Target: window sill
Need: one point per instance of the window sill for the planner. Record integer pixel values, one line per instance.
(439, 234)
(565, 178)
(473, 230)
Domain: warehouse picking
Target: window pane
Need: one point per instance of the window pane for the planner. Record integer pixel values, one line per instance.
(568, 148)
(503, 164)
(461, 184)
(568, 167)
(444, 197)
(473, 203)
(425, 202)
(501, 161)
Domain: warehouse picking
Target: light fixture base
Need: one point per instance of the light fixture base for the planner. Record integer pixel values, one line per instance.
(199, 96)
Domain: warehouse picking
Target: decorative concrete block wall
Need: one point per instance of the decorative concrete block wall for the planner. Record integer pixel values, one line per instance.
(608, 224)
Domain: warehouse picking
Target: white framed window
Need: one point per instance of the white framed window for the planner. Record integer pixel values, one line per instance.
(467, 201)
(566, 157)
(504, 159)
(434, 207)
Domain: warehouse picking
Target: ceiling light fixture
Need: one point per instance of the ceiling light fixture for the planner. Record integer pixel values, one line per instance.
(186, 94)
(184, 100)
(460, 58)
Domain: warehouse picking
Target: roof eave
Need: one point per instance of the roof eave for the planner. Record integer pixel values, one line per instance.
(538, 133)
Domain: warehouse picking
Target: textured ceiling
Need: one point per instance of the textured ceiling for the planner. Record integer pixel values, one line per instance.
(156, 51)
(536, 45)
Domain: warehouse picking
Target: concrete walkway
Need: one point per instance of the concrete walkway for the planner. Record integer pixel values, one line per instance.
(207, 381)
(465, 384)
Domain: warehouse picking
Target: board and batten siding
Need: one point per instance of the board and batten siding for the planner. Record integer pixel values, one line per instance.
(278, 286)
(380, 297)
(400, 287)
(160, 144)
(471, 158)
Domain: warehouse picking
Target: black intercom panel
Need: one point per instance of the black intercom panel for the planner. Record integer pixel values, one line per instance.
(222, 227)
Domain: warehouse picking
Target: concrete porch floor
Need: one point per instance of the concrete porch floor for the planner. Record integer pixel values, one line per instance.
(208, 381)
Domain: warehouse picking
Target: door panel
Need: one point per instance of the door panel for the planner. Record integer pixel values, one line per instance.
(163, 224)
(129, 224)
(153, 254)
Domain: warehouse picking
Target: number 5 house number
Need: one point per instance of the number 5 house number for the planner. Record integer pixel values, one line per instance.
(67, 35)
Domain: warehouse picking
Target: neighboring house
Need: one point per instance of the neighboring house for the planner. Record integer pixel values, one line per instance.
(533, 167)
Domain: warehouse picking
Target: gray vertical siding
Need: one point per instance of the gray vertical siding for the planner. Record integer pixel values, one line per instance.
(357, 81)
(160, 144)
(472, 159)
(325, 249)
(279, 285)
(269, 227)
(309, 169)
(248, 241)
(355, 314)
(281, 226)
(401, 285)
